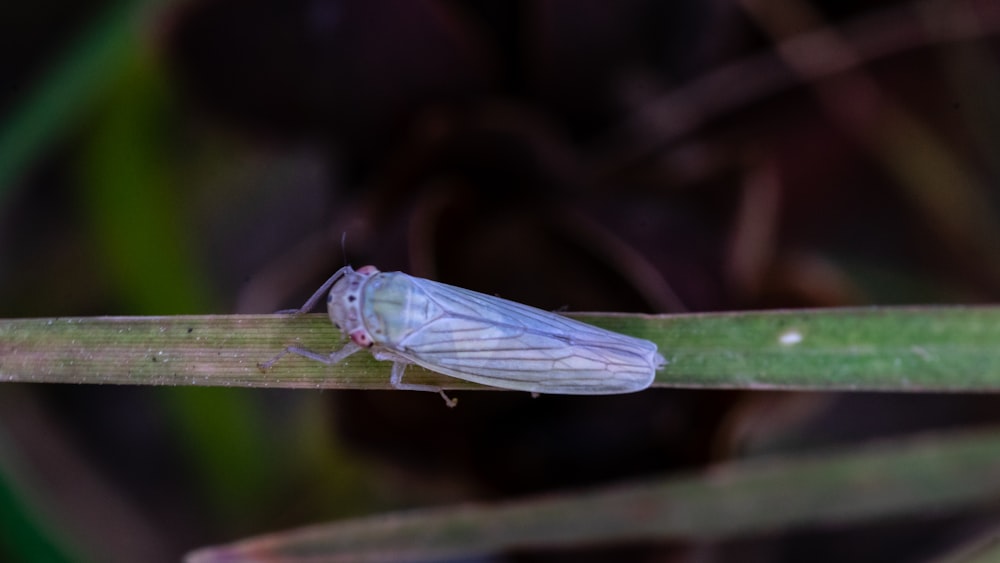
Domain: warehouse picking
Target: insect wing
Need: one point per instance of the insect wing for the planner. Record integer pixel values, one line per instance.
(506, 344)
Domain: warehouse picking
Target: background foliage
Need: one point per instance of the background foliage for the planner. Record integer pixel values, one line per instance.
(205, 157)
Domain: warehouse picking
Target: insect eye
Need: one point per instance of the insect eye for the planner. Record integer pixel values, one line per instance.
(352, 298)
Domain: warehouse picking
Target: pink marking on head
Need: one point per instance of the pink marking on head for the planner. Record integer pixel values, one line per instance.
(361, 338)
(367, 270)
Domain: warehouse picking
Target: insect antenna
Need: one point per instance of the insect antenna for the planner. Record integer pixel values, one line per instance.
(310, 304)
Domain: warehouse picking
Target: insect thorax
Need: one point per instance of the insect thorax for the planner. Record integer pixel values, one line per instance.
(394, 306)
(388, 306)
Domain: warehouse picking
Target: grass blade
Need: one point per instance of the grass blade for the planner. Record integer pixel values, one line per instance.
(930, 474)
(897, 349)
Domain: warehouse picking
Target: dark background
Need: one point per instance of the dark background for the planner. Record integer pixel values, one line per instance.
(630, 156)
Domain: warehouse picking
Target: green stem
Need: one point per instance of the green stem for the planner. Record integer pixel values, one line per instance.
(897, 349)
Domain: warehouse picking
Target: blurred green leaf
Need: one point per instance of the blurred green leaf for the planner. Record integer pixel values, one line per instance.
(26, 534)
(56, 104)
(131, 194)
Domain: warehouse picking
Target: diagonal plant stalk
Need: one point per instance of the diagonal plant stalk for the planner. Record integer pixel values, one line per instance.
(981, 548)
(891, 348)
(929, 474)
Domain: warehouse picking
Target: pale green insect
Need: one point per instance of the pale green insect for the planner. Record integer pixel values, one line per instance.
(476, 337)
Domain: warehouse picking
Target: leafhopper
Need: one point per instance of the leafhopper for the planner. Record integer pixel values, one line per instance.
(476, 337)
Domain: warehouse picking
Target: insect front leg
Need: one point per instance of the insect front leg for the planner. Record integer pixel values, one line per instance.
(328, 359)
(396, 379)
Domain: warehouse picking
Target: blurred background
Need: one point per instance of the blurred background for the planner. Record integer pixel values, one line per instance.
(207, 156)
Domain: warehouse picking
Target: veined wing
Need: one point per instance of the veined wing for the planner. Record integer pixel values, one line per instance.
(498, 342)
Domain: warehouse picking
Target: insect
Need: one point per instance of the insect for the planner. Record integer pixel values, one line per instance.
(476, 337)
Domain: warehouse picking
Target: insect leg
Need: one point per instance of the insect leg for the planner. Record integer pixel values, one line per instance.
(328, 359)
(396, 379)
